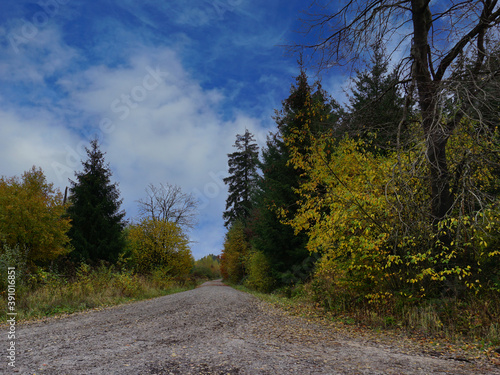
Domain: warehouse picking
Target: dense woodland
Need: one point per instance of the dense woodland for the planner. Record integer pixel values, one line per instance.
(388, 205)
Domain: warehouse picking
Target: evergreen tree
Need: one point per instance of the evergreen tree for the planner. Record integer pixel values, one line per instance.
(307, 106)
(276, 240)
(97, 222)
(376, 108)
(242, 180)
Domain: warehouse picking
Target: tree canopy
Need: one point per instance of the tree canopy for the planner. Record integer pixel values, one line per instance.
(32, 217)
(438, 36)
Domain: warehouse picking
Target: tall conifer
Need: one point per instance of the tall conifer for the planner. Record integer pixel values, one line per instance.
(242, 180)
(307, 106)
(97, 222)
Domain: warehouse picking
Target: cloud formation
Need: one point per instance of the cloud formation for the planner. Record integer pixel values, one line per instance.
(165, 87)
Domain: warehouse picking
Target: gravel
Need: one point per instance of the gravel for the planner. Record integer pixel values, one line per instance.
(213, 329)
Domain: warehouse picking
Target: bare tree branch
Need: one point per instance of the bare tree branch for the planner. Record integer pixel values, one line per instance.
(168, 203)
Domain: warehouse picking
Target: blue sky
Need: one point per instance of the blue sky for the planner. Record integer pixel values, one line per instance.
(165, 85)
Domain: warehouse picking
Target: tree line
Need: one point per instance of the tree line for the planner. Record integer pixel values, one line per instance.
(393, 198)
(43, 230)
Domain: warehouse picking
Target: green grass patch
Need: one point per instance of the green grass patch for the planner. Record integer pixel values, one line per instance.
(51, 295)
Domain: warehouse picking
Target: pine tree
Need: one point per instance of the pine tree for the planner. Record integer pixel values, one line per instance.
(97, 222)
(307, 106)
(376, 108)
(276, 240)
(242, 180)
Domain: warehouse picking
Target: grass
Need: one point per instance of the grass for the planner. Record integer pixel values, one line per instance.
(90, 289)
(470, 328)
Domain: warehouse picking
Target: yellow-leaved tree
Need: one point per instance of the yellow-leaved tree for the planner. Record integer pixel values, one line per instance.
(32, 217)
(367, 215)
(344, 211)
(160, 244)
(234, 254)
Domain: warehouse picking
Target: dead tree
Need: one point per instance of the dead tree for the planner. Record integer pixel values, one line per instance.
(169, 203)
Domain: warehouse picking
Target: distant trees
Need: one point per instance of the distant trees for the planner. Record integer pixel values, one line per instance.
(207, 267)
(97, 222)
(242, 179)
(32, 217)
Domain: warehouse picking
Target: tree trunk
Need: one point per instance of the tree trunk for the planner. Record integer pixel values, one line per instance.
(436, 134)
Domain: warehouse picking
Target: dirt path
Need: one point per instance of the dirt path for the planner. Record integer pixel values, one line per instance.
(213, 329)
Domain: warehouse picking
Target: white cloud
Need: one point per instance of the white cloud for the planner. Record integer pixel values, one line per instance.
(155, 120)
(164, 127)
(40, 140)
(32, 60)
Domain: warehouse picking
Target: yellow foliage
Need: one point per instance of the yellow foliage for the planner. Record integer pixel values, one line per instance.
(367, 215)
(160, 244)
(234, 254)
(344, 208)
(31, 216)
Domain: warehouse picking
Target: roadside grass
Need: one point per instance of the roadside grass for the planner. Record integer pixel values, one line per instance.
(89, 289)
(469, 330)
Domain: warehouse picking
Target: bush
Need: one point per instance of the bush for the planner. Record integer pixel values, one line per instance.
(32, 217)
(160, 244)
(259, 272)
(13, 257)
(235, 251)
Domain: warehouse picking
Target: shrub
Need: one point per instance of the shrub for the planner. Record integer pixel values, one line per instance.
(259, 272)
(32, 217)
(235, 251)
(160, 244)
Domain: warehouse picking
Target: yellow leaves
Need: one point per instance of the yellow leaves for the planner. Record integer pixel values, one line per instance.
(236, 249)
(32, 216)
(160, 244)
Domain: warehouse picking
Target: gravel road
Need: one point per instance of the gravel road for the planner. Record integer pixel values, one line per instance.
(213, 329)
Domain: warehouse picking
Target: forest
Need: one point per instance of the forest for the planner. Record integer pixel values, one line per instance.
(385, 208)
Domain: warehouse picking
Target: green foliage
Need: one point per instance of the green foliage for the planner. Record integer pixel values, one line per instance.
(376, 108)
(242, 179)
(276, 240)
(375, 247)
(258, 271)
(13, 257)
(50, 293)
(207, 267)
(284, 249)
(234, 254)
(31, 218)
(156, 244)
(97, 222)
(344, 211)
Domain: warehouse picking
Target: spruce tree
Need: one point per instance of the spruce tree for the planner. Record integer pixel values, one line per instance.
(277, 241)
(306, 106)
(242, 180)
(376, 108)
(97, 222)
